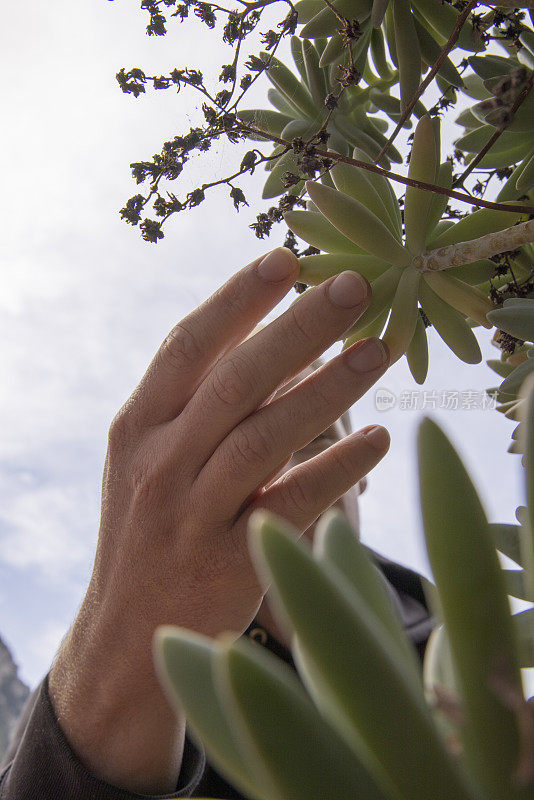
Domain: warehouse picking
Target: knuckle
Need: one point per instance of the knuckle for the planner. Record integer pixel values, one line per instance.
(318, 399)
(180, 349)
(250, 446)
(121, 429)
(233, 294)
(295, 492)
(342, 463)
(231, 382)
(301, 323)
(148, 485)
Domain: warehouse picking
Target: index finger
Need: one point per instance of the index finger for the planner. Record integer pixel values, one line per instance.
(206, 334)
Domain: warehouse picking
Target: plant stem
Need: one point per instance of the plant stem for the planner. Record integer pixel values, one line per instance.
(429, 187)
(491, 244)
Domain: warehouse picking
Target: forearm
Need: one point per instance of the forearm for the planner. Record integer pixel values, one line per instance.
(111, 708)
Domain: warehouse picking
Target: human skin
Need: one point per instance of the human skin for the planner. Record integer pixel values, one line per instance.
(191, 454)
(347, 503)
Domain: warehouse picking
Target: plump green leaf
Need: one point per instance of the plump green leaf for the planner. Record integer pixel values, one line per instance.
(450, 325)
(514, 580)
(438, 674)
(524, 627)
(288, 84)
(404, 313)
(384, 190)
(343, 645)
(417, 352)
(506, 539)
(336, 543)
(483, 221)
(423, 166)
(317, 268)
(513, 382)
(474, 274)
(183, 662)
(314, 228)
(383, 291)
(358, 224)
(517, 320)
(299, 754)
(355, 182)
(470, 582)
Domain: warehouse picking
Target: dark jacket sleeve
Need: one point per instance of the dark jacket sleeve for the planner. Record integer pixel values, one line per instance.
(40, 764)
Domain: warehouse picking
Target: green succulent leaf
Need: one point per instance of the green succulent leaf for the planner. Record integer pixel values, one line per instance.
(474, 274)
(341, 645)
(514, 580)
(450, 325)
(483, 221)
(517, 320)
(417, 352)
(431, 51)
(502, 368)
(274, 185)
(524, 627)
(358, 224)
(383, 188)
(294, 92)
(383, 291)
(525, 180)
(408, 50)
(315, 76)
(442, 18)
(307, 9)
(314, 228)
(296, 51)
(474, 599)
(374, 328)
(317, 762)
(355, 182)
(512, 383)
(423, 166)
(506, 539)
(464, 298)
(336, 543)
(404, 314)
(438, 674)
(325, 22)
(183, 663)
(438, 202)
(317, 268)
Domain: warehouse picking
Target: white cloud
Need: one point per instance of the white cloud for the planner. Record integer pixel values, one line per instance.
(44, 528)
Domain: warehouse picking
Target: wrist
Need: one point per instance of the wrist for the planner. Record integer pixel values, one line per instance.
(112, 710)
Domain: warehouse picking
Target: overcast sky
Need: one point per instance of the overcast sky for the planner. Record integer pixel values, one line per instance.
(85, 303)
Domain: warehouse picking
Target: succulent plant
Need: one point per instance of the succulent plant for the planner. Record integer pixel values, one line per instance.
(363, 722)
(496, 82)
(301, 112)
(515, 318)
(359, 224)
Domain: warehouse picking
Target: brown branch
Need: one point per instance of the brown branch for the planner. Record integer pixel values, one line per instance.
(429, 187)
(435, 69)
(491, 141)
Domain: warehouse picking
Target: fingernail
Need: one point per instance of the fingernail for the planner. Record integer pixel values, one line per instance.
(377, 437)
(367, 355)
(277, 265)
(348, 289)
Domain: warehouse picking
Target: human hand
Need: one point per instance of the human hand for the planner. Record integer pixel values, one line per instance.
(193, 452)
